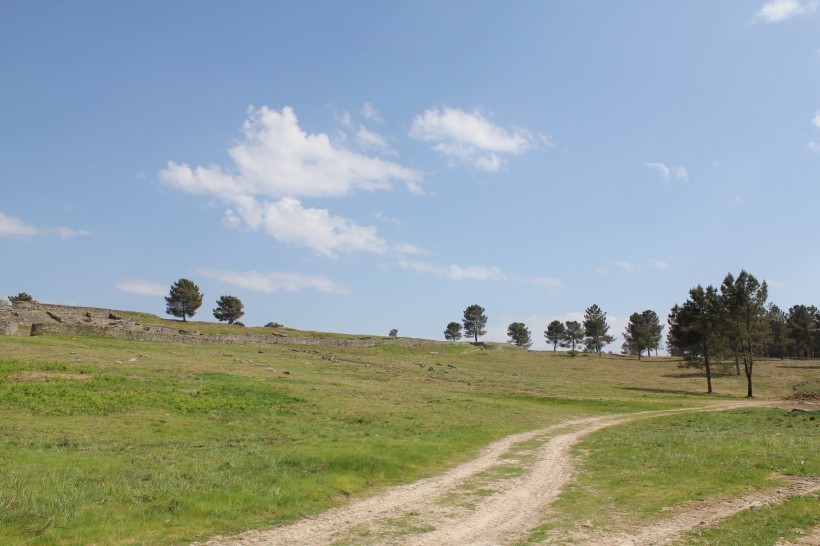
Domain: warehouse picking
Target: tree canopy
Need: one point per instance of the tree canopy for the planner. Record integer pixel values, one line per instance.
(228, 308)
(519, 334)
(183, 300)
(474, 322)
(555, 333)
(643, 332)
(596, 329)
(453, 331)
(21, 297)
(573, 335)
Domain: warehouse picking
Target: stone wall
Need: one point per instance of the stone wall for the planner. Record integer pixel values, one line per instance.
(46, 319)
(122, 331)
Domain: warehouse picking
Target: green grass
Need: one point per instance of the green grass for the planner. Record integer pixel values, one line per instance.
(637, 472)
(111, 441)
(764, 526)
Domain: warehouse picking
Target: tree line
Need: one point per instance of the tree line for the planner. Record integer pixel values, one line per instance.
(714, 326)
(734, 325)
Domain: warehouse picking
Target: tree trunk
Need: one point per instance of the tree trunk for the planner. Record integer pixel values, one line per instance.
(708, 370)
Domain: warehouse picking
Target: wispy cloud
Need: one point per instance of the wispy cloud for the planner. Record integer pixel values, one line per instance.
(14, 227)
(666, 171)
(814, 146)
(816, 119)
(777, 11)
(277, 162)
(370, 113)
(470, 138)
(145, 288)
(369, 140)
(629, 267)
(274, 281)
(456, 272)
(382, 217)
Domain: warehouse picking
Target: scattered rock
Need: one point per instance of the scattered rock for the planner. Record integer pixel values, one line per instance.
(287, 372)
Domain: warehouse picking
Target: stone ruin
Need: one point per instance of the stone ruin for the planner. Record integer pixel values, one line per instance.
(47, 319)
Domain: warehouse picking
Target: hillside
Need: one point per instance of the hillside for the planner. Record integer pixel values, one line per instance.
(123, 441)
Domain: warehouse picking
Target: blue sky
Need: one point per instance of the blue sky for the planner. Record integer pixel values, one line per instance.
(360, 166)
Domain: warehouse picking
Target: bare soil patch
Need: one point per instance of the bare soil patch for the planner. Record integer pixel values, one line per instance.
(45, 376)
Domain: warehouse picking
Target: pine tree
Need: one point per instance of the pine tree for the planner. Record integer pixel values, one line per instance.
(228, 308)
(744, 299)
(183, 299)
(453, 331)
(573, 335)
(519, 334)
(474, 322)
(555, 333)
(596, 330)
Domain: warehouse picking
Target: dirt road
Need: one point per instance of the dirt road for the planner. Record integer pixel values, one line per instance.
(496, 498)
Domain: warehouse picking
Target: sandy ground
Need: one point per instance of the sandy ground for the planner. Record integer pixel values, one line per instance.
(498, 498)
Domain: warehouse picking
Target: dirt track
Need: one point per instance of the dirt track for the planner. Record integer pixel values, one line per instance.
(495, 499)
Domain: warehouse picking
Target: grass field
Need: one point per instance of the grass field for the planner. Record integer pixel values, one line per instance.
(105, 441)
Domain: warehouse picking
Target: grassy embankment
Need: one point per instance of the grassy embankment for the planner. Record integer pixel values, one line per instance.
(175, 443)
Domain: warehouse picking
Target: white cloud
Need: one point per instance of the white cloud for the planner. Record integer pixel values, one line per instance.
(63, 232)
(630, 267)
(370, 113)
(661, 168)
(470, 138)
(456, 272)
(550, 283)
(814, 146)
(146, 288)
(407, 248)
(816, 120)
(275, 281)
(382, 217)
(666, 171)
(289, 222)
(12, 227)
(369, 140)
(626, 266)
(277, 159)
(777, 11)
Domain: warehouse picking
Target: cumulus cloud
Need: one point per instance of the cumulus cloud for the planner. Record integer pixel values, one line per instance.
(14, 227)
(667, 171)
(470, 138)
(275, 163)
(777, 11)
(276, 158)
(288, 221)
(274, 281)
(456, 272)
(145, 288)
(816, 120)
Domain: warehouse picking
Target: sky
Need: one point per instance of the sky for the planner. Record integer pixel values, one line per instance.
(360, 166)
